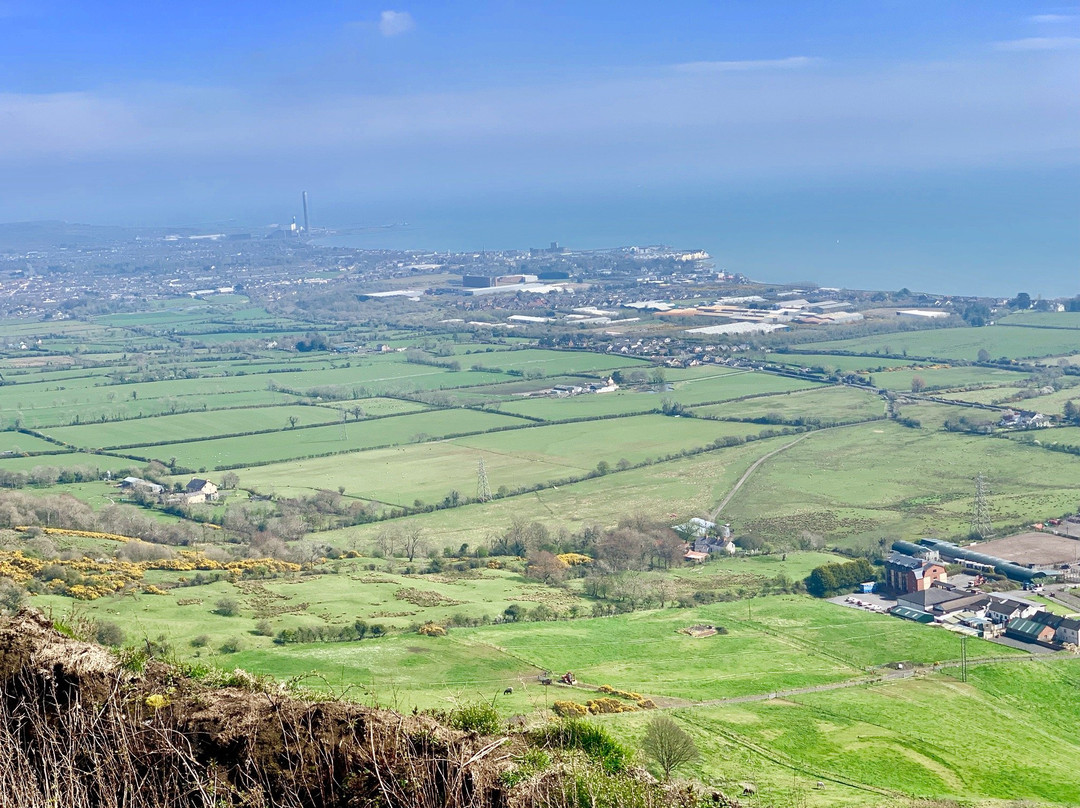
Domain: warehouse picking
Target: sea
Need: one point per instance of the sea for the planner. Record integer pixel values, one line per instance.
(988, 233)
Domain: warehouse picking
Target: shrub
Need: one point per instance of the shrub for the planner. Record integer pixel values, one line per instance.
(592, 739)
(264, 629)
(605, 705)
(479, 717)
(431, 630)
(230, 646)
(200, 641)
(227, 607)
(569, 709)
(109, 633)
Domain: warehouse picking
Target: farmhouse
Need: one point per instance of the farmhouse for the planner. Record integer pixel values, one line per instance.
(199, 491)
(1004, 610)
(904, 573)
(1068, 631)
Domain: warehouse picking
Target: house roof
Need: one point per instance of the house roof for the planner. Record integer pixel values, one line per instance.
(904, 561)
(1048, 619)
(929, 598)
(197, 484)
(691, 555)
(1005, 606)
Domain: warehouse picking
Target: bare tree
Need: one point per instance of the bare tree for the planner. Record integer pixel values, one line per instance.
(669, 745)
(389, 540)
(413, 542)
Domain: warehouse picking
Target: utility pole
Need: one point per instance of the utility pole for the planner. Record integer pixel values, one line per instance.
(963, 657)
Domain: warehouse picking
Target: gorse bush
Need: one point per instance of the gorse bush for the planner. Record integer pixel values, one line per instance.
(592, 739)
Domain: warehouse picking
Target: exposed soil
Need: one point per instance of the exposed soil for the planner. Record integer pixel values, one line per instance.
(79, 729)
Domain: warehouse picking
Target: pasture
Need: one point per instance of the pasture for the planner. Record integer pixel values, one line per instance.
(875, 745)
(289, 443)
(962, 343)
(829, 404)
(857, 484)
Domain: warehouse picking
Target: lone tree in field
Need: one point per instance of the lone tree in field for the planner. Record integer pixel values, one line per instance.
(668, 745)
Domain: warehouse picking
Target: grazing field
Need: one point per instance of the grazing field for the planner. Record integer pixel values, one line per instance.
(586, 406)
(552, 363)
(946, 378)
(187, 426)
(834, 362)
(788, 642)
(514, 458)
(829, 404)
(962, 343)
(20, 443)
(67, 460)
(860, 483)
(708, 389)
(115, 402)
(290, 443)
(684, 487)
(879, 737)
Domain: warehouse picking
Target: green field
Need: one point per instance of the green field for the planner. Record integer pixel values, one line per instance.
(289, 443)
(833, 362)
(188, 425)
(521, 457)
(859, 740)
(829, 404)
(858, 484)
(945, 378)
(963, 343)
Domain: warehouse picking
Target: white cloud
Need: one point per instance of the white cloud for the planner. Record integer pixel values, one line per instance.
(790, 63)
(1051, 18)
(395, 23)
(1040, 43)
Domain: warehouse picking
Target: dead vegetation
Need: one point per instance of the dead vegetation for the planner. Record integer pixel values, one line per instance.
(81, 727)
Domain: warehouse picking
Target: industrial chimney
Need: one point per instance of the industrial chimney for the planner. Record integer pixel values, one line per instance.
(306, 228)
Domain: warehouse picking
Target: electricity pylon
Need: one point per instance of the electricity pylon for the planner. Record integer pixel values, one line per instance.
(980, 514)
(483, 489)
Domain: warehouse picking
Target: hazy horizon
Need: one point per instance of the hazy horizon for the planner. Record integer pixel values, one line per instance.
(929, 138)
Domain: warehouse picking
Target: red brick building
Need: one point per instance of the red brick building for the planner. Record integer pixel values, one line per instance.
(904, 573)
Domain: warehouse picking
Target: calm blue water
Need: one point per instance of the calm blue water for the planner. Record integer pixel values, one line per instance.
(990, 233)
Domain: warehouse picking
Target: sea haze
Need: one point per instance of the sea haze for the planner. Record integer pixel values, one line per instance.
(965, 232)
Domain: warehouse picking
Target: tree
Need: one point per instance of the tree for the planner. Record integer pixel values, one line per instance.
(227, 607)
(1021, 301)
(1072, 412)
(984, 355)
(918, 384)
(413, 542)
(547, 567)
(977, 314)
(669, 745)
(292, 421)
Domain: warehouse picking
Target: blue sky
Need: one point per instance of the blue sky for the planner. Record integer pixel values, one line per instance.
(170, 112)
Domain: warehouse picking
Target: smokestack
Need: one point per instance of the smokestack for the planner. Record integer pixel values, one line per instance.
(306, 230)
